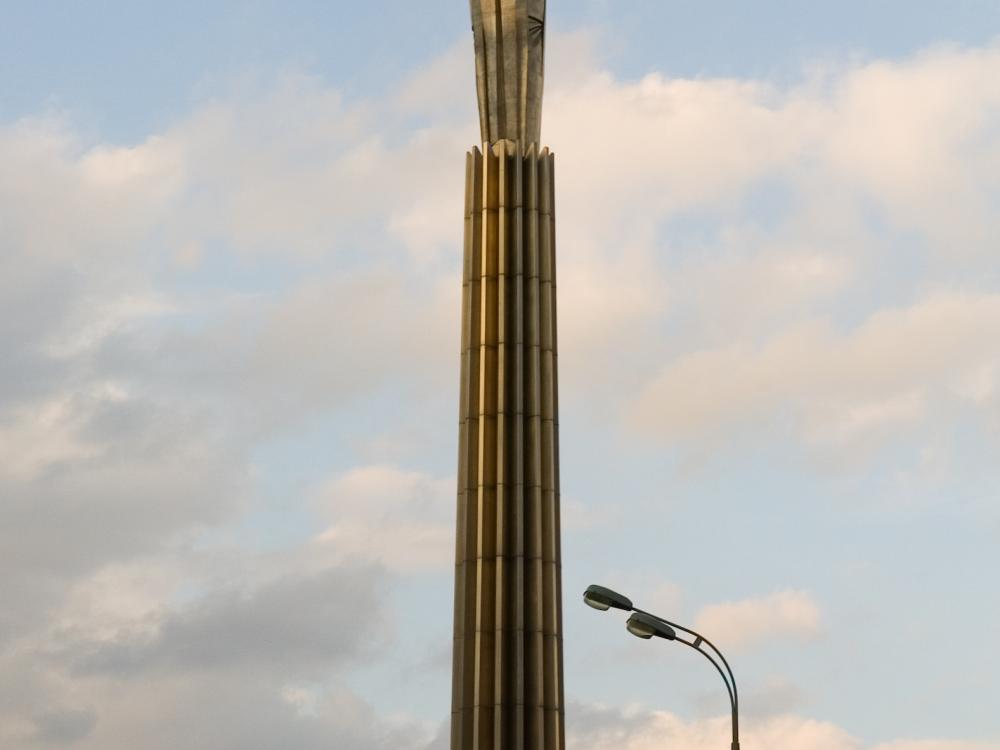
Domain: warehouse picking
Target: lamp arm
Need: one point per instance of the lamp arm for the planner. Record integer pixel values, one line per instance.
(702, 639)
(734, 701)
(732, 698)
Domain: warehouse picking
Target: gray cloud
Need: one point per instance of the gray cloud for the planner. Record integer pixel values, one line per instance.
(226, 714)
(66, 726)
(233, 669)
(296, 627)
(148, 475)
(128, 416)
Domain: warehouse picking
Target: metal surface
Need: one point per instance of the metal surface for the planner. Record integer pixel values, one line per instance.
(603, 598)
(508, 670)
(507, 682)
(510, 68)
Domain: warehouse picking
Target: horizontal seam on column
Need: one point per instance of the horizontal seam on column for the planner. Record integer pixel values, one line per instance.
(537, 558)
(492, 706)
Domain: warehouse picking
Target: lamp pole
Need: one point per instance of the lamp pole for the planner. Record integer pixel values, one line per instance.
(644, 624)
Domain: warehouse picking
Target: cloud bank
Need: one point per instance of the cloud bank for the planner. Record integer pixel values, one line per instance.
(814, 262)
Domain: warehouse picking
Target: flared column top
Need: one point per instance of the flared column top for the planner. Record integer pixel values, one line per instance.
(510, 67)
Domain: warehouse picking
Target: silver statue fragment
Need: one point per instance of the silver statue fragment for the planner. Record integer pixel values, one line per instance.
(510, 67)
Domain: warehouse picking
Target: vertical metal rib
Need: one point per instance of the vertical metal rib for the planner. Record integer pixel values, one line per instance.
(487, 470)
(550, 542)
(516, 385)
(534, 648)
(466, 588)
(502, 625)
(557, 502)
(508, 691)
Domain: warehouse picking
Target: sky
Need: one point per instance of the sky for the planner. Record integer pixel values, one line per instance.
(229, 307)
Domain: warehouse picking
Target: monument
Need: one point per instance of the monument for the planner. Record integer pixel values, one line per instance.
(507, 682)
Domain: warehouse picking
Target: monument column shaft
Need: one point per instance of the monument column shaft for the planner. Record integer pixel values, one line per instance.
(508, 670)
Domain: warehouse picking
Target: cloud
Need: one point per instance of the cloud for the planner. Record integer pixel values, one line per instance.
(66, 726)
(121, 660)
(921, 138)
(936, 745)
(301, 625)
(833, 386)
(277, 359)
(112, 480)
(602, 728)
(776, 696)
(129, 408)
(741, 624)
(666, 597)
(906, 133)
(810, 262)
(405, 520)
(211, 713)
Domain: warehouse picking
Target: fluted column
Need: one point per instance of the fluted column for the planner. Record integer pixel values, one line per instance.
(508, 673)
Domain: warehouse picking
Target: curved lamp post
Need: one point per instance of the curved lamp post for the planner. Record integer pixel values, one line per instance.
(645, 625)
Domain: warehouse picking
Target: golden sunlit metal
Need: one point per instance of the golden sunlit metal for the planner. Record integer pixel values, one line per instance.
(507, 679)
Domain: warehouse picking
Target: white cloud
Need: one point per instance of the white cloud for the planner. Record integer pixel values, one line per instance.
(131, 400)
(118, 599)
(921, 137)
(744, 255)
(404, 520)
(39, 436)
(601, 728)
(741, 624)
(836, 386)
(61, 198)
(936, 745)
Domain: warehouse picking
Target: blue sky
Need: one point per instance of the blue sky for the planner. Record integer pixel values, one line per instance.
(126, 69)
(229, 258)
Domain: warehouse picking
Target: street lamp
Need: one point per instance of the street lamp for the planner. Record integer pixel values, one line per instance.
(601, 598)
(646, 625)
(643, 626)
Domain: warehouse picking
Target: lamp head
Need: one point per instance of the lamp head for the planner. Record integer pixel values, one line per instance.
(601, 598)
(646, 626)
